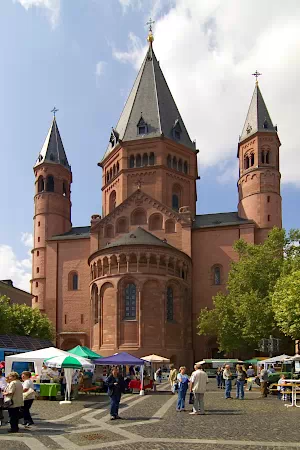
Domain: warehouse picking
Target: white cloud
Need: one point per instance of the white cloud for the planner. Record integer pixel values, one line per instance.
(51, 7)
(208, 51)
(126, 4)
(100, 68)
(19, 271)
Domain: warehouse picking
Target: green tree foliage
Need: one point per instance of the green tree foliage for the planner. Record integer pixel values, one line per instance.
(245, 314)
(24, 321)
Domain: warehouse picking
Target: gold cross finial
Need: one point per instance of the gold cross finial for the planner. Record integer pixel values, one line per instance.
(54, 111)
(150, 37)
(256, 74)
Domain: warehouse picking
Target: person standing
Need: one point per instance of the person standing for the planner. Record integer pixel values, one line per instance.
(158, 374)
(14, 392)
(250, 375)
(240, 382)
(199, 380)
(116, 387)
(75, 384)
(3, 385)
(173, 377)
(28, 397)
(183, 380)
(263, 377)
(219, 376)
(227, 376)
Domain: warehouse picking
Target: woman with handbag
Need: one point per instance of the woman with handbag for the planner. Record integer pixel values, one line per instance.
(183, 380)
(13, 400)
(28, 397)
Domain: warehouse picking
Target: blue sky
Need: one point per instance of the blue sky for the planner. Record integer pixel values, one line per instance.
(82, 57)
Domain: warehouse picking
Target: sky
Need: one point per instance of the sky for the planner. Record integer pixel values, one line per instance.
(82, 57)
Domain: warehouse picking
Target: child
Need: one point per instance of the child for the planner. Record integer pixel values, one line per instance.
(281, 389)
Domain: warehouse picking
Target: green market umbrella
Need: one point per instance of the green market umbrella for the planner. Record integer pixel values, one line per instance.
(85, 352)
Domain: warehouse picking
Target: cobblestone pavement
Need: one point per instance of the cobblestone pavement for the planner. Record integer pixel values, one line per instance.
(151, 422)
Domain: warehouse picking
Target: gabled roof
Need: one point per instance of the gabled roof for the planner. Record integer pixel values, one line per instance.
(150, 99)
(53, 150)
(74, 233)
(258, 118)
(139, 237)
(219, 220)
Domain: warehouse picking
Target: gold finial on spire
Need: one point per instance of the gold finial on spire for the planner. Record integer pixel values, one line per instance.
(256, 74)
(150, 37)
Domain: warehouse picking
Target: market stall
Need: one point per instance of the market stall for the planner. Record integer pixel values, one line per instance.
(36, 357)
(124, 359)
(270, 362)
(155, 361)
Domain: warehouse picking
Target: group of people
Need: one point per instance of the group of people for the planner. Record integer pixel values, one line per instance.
(17, 397)
(195, 384)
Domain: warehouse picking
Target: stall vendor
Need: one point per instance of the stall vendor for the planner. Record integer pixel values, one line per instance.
(48, 374)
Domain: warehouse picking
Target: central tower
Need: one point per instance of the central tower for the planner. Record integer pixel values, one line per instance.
(150, 146)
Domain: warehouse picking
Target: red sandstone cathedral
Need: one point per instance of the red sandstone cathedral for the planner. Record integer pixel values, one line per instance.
(135, 279)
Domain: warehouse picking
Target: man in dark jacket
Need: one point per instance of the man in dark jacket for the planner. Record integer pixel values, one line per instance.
(116, 387)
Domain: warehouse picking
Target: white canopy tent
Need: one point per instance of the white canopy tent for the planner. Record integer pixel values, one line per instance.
(156, 359)
(37, 357)
(275, 359)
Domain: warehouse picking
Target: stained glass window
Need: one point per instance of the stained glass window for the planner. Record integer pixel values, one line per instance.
(170, 304)
(75, 282)
(130, 301)
(217, 275)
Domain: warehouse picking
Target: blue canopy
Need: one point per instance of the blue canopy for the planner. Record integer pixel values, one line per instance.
(119, 359)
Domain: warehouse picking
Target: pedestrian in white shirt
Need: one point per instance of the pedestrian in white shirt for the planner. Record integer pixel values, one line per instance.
(199, 380)
(3, 385)
(28, 397)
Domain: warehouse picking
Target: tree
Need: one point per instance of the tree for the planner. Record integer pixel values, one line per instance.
(24, 321)
(245, 315)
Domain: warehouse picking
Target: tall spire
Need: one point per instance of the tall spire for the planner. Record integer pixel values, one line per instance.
(150, 110)
(258, 117)
(53, 150)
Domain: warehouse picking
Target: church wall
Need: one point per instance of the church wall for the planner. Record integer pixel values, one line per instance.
(51, 282)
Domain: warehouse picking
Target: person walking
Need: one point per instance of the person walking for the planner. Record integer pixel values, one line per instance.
(173, 378)
(28, 397)
(240, 382)
(3, 385)
(227, 376)
(250, 375)
(116, 387)
(264, 377)
(183, 380)
(14, 393)
(199, 380)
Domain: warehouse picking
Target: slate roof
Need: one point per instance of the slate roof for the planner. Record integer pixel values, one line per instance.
(151, 100)
(74, 233)
(138, 237)
(258, 118)
(219, 220)
(23, 342)
(53, 150)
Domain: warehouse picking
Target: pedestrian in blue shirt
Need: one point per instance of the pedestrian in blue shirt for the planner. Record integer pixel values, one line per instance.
(183, 380)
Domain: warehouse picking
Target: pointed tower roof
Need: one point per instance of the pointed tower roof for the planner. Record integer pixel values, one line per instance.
(53, 150)
(150, 110)
(258, 117)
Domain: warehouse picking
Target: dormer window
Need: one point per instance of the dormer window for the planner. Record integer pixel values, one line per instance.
(177, 130)
(266, 124)
(142, 127)
(249, 128)
(114, 137)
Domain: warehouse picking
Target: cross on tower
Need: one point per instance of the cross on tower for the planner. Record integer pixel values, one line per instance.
(150, 23)
(256, 74)
(54, 111)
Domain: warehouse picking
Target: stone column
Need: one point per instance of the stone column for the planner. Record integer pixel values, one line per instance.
(109, 265)
(167, 264)
(127, 263)
(102, 264)
(118, 262)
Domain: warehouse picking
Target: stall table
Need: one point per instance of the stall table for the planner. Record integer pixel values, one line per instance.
(49, 390)
(136, 384)
(295, 384)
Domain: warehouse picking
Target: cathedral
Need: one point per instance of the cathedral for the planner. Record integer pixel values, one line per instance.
(136, 277)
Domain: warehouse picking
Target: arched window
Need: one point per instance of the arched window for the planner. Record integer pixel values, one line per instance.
(41, 186)
(107, 176)
(174, 163)
(252, 159)
(170, 305)
(64, 189)
(217, 275)
(122, 225)
(138, 160)
(110, 174)
(139, 217)
(109, 231)
(145, 159)
(131, 161)
(112, 201)
(155, 221)
(185, 167)
(246, 162)
(130, 302)
(95, 303)
(176, 197)
(268, 157)
(151, 159)
(169, 161)
(50, 183)
(180, 165)
(170, 226)
(263, 157)
(118, 167)
(73, 281)
(114, 170)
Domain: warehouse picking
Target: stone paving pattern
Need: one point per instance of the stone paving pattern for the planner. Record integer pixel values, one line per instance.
(151, 423)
